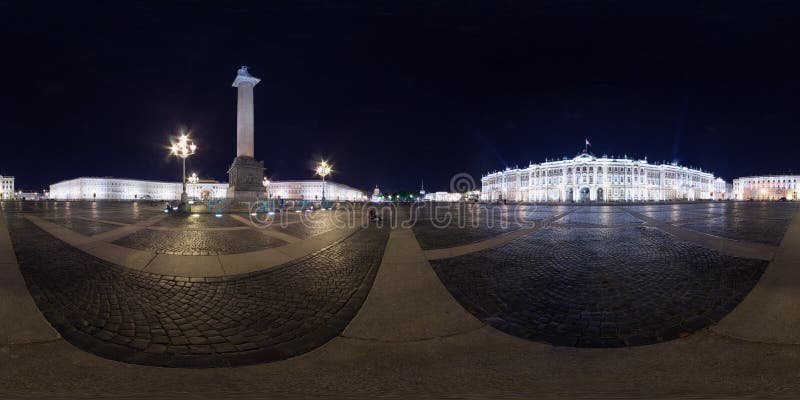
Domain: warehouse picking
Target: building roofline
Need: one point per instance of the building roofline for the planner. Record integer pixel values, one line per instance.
(206, 182)
(125, 179)
(598, 159)
(318, 180)
(767, 176)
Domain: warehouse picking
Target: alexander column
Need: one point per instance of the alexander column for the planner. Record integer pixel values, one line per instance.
(245, 174)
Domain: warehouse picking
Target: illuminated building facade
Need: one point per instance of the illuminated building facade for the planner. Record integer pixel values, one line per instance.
(133, 189)
(444, 197)
(767, 187)
(312, 190)
(6, 187)
(585, 178)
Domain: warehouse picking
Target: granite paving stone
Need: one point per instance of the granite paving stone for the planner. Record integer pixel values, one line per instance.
(757, 230)
(599, 287)
(151, 319)
(199, 242)
(198, 221)
(437, 235)
(599, 218)
(84, 227)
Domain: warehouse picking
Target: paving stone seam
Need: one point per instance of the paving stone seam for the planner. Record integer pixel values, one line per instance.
(295, 345)
(88, 243)
(426, 315)
(104, 221)
(269, 232)
(24, 322)
(450, 252)
(769, 312)
(358, 298)
(118, 233)
(733, 247)
(510, 323)
(275, 268)
(213, 229)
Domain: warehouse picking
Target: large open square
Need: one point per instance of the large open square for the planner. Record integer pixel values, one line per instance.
(528, 289)
(399, 199)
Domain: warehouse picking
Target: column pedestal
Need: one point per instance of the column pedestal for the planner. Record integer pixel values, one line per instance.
(245, 178)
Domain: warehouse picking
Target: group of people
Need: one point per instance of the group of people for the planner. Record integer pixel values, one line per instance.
(373, 216)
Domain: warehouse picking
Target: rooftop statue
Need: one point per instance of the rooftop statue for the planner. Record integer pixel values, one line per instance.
(243, 71)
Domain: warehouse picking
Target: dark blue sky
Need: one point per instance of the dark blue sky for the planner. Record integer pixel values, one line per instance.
(395, 92)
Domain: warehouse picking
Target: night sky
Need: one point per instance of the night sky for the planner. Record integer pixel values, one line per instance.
(396, 92)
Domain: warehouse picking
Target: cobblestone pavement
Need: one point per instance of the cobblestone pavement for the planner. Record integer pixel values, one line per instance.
(674, 216)
(84, 227)
(746, 210)
(430, 235)
(449, 226)
(121, 212)
(757, 222)
(599, 287)
(598, 218)
(307, 229)
(305, 224)
(749, 230)
(143, 318)
(522, 214)
(198, 221)
(198, 242)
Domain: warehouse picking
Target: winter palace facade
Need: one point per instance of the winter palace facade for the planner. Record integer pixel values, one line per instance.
(589, 178)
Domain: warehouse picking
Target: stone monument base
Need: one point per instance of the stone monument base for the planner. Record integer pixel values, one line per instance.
(245, 177)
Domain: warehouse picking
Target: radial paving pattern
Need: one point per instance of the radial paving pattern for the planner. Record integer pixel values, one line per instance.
(199, 221)
(590, 216)
(758, 230)
(83, 226)
(152, 319)
(197, 242)
(599, 287)
(592, 276)
(451, 226)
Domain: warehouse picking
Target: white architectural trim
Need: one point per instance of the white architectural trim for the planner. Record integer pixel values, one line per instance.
(767, 187)
(589, 178)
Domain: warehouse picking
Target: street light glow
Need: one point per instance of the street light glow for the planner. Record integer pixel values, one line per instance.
(324, 169)
(183, 149)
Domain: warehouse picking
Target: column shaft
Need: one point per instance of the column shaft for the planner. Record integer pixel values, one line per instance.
(245, 121)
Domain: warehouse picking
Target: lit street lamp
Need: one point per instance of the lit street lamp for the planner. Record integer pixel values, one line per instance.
(323, 170)
(194, 179)
(183, 149)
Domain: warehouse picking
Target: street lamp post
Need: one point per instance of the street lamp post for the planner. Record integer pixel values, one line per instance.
(323, 169)
(183, 149)
(194, 179)
(266, 183)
